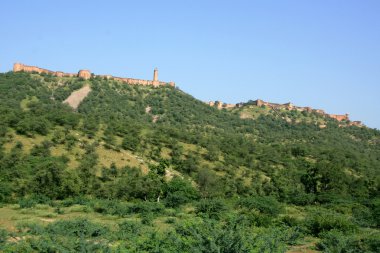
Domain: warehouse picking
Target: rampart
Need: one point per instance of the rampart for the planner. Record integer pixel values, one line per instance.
(288, 106)
(86, 74)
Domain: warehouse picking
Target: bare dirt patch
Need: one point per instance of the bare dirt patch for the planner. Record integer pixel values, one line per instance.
(77, 97)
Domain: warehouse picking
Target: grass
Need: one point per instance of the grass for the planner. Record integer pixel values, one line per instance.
(12, 215)
(25, 102)
(121, 158)
(306, 246)
(28, 143)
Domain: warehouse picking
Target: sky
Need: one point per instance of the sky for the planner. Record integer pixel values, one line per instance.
(323, 54)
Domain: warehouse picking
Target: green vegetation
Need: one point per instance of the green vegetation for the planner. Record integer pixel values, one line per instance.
(180, 177)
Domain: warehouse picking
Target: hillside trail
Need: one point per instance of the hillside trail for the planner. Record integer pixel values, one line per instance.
(76, 97)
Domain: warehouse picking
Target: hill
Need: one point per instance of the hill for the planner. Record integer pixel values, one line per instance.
(152, 169)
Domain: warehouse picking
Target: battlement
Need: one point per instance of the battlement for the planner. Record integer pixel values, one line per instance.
(86, 74)
(288, 106)
(221, 105)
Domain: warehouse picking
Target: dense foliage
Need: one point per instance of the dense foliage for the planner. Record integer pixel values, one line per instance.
(223, 183)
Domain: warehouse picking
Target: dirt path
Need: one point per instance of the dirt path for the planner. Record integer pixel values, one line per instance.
(76, 97)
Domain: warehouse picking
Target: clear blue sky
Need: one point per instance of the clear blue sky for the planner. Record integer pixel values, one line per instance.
(323, 54)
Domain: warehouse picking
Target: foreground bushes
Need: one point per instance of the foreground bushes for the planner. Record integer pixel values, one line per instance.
(337, 241)
(322, 221)
(190, 235)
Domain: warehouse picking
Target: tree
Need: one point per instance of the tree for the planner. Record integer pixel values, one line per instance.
(53, 181)
(130, 142)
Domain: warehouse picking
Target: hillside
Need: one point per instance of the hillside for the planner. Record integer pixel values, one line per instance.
(152, 169)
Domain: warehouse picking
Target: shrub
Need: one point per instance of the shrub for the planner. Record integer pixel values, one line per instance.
(266, 205)
(111, 207)
(33, 200)
(128, 230)
(178, 192)
(146, 207)
(211, 207)
(77, 227)
(147, 218)
(363, 216)
(3, 235)
(170, 220)
(323, 221)
(336, 241)
(31, 228)
(80, 200)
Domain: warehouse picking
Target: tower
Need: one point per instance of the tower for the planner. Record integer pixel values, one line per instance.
(155, 78)
(85, 74)
(17, 67)
(155, 75)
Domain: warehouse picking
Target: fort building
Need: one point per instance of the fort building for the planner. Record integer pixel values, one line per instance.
(86, 74)
(287, 106)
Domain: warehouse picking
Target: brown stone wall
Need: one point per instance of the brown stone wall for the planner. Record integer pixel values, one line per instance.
(86, 74)
(59, 74)
(229, 106)
(21, 67)
(356, 123)
(259, 102)
(287, 106)
(339, 117)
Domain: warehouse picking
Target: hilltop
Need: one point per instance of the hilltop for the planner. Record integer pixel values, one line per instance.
(148, 167)
(251, 108)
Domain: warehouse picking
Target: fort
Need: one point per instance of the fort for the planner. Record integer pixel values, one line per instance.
(86, 74)
(287, 106)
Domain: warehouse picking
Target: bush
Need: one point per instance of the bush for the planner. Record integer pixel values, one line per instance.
(175, 199)
(323, 221)
(111, 207)
(266, 205)
(31, 228)
(170, 220)
(32, 201)
(80, 200)
(128, 230)
(146, 207)
(147, 218)
(336, 241)
(3, 235)
(259, 220)
(363, 216)
(77, 228)
(178, 192)
(375, 208)
(211, 208)
(301, 198)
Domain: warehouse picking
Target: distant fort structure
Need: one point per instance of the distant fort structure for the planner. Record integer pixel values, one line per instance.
(86, 74)
(287, 106)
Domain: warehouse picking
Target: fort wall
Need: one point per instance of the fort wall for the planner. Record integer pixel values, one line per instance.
(86, 74)
(288, 106)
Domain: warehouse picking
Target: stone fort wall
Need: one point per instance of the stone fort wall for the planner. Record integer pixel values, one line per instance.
(86, 74)
(287, 106)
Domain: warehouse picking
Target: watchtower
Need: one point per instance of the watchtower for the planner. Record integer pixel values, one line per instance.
(85, 74)
(155, 78)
